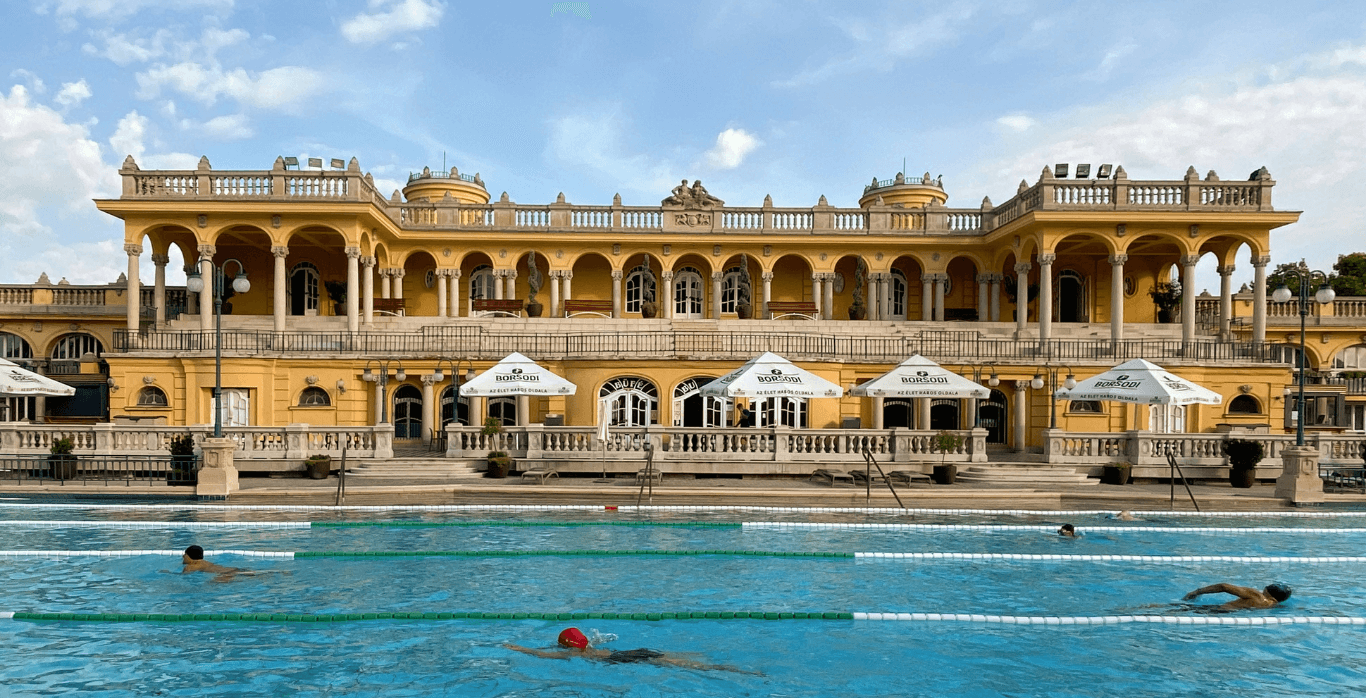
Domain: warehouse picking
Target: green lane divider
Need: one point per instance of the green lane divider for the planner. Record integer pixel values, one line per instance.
(351, 617)
(564, 553)
(520, 524)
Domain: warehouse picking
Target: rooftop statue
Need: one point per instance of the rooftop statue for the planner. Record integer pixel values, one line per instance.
(692, 197)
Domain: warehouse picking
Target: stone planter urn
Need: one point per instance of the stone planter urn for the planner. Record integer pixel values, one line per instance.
(744, 311)
(534, 309)
(648, 310)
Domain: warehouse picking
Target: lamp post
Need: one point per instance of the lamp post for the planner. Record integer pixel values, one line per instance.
(194, 283)
(993, 380)
(1037, 382)
(382, 379)
(456, 365)
(1325, 295)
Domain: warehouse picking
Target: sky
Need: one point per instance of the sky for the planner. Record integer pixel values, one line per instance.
(790, 99)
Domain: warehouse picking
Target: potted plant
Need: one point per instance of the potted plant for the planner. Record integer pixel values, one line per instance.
(336, 290)
(319, 466)
(744, 306)
(1167, 297)
(499, 463)
(1243, 457)
(1117, 474)
(61, 462)
(533, 283)
(859, 310)
(182, 460)
(648, 308)
(944, 442)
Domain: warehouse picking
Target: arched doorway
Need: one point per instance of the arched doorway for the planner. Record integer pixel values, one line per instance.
(992, 413)
(504, 409)
(898, 413)
(1071, 297)
(634, 401)
(944, 414)
(407, 412)
(303, 289)
(688, 293)
(693, 409)
(454, 409)
(780, 411)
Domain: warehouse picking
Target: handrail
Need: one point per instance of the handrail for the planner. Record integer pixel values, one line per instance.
(1176, 470)
(869, 460)
(649, 472)
(341, 479)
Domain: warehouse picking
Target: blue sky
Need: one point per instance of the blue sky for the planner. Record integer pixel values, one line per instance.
(792, 99)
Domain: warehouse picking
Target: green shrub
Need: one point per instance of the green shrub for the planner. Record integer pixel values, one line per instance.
(182, 445)
(63, 446)
(1243, 453)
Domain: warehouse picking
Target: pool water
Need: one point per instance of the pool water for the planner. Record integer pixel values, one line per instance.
(464, 657)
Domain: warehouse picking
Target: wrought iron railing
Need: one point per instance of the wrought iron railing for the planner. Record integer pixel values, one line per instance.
(170, 470)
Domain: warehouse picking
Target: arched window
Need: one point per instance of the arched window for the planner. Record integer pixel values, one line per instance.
(481, 282)
(12, 346)
(1167, 419)
(1085, 407)
(1352, 358)
(634, 401)
(313, 396)
(898, 295)
(1244, 404)
(303, 289)
(730, 289)
(639, 286)
(688, 293)
(455, 409)
(1071, 297)
(72, 347)
(784, 411)
(152, 396)
(692, 409)
(503, 409)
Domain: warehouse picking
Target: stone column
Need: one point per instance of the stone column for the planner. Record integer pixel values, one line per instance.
(1259, 298)
(1021, 414)
(616, 292)
(939, 284)
(816, 293)
(887, 304)
(1299, 481)
(441, 293)
(828, 297)
(554, 293)
(453, 291)
(523, 410)
(1188, 297)
(983, 308)
(353, 289)
(1117, 296)
(716, 278)
(568, 279)
(877, 414)
(379, 400)
(39, 401)
(666, 293)
(1021, 296)
(280, 307)
(498, 275)
(922, 409)
(873, 303)
(1045, 299)
(428, 407)
(1225, 301)
(191, 299)
(927, 296)
(159, 290)
(206, 253)
(510, 278)
(768, 292)
(995, 299)
(367, 289)
(398, 284)
(134, 294)
(386, 287)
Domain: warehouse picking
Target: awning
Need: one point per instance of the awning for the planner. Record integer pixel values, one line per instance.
(770, 375)
(517, 375)
(920, 377)
(20, 382)
(1140, 382)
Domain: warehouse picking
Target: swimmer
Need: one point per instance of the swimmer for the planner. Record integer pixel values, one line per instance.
(194, 561)
(1068, 531)
(1124, 516)
(1248, 597)
(576, 644)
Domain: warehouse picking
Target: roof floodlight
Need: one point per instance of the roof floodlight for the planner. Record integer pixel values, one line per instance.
(1084, 171)
(315, 162)
(1104, 172)
(338, 164)
(1060, 170)
(291, 161)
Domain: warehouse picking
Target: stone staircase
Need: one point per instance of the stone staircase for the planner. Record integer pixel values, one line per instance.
(411, 468)
(1018, 475)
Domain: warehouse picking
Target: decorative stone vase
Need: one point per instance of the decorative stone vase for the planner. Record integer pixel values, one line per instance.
(1116, 475)
(744, 311)
(857, 312)
(1242, 478)
(534, 309)
(648, 310)
(499, 466)
(945, 474)
(1164, 315)
(319, 467)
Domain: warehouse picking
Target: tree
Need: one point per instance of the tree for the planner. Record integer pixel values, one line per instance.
(1281, 277)
(1349, 274)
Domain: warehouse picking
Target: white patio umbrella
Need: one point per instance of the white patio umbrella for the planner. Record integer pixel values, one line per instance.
(517, 375)
(770, 375)
(919, 377)
(19, 382)
(1140, 382)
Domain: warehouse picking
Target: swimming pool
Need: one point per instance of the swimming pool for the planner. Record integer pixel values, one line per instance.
(1027, 598)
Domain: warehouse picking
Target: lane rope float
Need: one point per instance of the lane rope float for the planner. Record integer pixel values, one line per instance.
(1047, 528)
(299, 525)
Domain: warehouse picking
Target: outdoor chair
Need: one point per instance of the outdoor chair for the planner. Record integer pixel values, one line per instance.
(539, 474)
(832, 476)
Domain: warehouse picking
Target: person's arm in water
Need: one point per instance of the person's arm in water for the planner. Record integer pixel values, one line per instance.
(1247, 596)
(544, 654)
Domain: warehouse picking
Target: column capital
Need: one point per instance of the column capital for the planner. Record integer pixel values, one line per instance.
(161, 260)
(510, 273)
(766, 276)
(567, 274)
(207, 251)
(396, 272)
(1118, 260)
(667, 274)
(984, 278)
(1020, 385)
(617, 274)
(133, 250)
(1189, 260)
(1261, 261)
(1023, 268)
(367, 262)
(719, 275)
(428, 378)
(1046, 258)
(280, 251)
(1225, 270)
(455, 273)
(998, 278)
(353, 253)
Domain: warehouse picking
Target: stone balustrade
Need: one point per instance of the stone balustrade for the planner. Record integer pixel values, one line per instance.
(290, 442)
(1200, 455)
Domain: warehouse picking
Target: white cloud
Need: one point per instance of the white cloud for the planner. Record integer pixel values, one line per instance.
(732, 145)
(123, 50)
(98, 262)
(879, 46)
(594, 141)
(1018, 123)
(128, 136)
(404, 16)
(35, 83)
(232, 127)
(113, 9)
(1107, 64)
(284, 88)
(72, 93)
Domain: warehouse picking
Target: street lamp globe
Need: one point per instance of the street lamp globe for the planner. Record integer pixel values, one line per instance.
(1281, 294)
(1071, 382)
(401, 375)
(1037, 382)
(994, 380)
(1325, 295)
(194, 283)
(240, 284)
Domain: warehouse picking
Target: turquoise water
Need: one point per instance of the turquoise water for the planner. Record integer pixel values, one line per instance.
(795, 657)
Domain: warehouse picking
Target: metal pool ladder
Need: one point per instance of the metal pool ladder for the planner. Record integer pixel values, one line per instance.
(869, 462)
(1176, 470)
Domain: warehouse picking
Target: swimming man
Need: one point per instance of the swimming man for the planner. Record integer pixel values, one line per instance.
(194, 561)
(1248, 597)
(576, 644)
(1068, 531)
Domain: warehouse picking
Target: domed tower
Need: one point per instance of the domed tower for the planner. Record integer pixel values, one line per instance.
(434, 186)
(910, 192)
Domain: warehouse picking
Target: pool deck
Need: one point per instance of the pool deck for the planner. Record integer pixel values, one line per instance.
(680, 491)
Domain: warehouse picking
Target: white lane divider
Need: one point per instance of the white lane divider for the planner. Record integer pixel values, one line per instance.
(1111, 620)
(37, 523)
(137, 553)
(1048, 528)
(1158, 559)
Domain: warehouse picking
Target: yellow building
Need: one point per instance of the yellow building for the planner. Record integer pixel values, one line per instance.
(640, 305)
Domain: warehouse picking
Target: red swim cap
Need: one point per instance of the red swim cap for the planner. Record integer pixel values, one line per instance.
(571, 637)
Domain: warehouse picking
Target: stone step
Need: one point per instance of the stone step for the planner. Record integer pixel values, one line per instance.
(1021, 474)
(416, 468)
